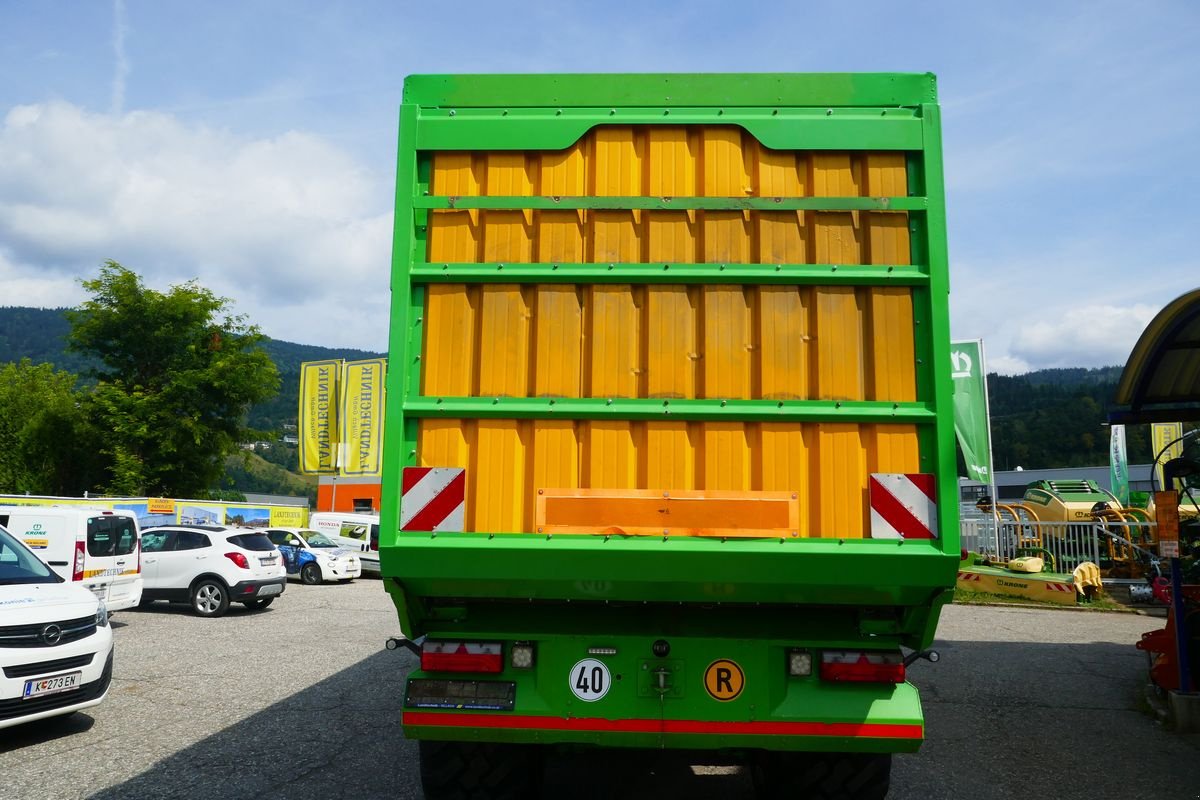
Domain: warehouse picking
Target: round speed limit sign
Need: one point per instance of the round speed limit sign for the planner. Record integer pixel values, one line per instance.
(589, 680)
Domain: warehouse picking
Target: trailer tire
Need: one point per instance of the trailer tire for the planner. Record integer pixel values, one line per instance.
(823, 776)
(480, 771)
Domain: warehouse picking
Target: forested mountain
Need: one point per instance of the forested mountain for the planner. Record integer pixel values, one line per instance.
(39, 334)
(1047, 418)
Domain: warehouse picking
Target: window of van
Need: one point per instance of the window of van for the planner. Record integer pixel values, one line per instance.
(126, 535)
(100, 536)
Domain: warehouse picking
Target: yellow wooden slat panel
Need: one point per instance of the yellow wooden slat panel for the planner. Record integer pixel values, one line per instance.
(726, 461)
(610, 455)
(501, 488)
(837, 236)
(839, 500)
(558, 326)
(892, 448)
(727, 358)
(892, 370)
(669, 455)
(839, 344)
(782, 236)
(505, 316)
(783, 342)
(559, 235)
(784, 464)
(451, 340)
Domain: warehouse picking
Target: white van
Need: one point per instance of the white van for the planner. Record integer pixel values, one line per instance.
(98, 547)
(56, 648)
(354, 531)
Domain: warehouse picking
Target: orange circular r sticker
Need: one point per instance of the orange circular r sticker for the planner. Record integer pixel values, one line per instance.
(724, 679)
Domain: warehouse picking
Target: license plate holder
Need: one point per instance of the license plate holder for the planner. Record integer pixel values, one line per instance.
(40, 687)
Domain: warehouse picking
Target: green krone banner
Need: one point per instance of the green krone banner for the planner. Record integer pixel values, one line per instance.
(1118, 464)
(970, 409)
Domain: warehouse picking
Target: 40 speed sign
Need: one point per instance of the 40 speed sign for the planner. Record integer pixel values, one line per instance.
(589, 680)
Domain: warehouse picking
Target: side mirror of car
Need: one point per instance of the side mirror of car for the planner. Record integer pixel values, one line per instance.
(293, 542)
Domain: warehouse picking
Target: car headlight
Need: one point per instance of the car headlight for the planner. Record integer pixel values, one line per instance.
(101, 614)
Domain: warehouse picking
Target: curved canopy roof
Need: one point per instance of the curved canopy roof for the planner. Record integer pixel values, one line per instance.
(1161, 381)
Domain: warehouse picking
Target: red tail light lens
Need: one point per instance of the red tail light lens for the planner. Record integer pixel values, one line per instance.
(239, 559)
(861, 666)
(77, 570)
(462, 657)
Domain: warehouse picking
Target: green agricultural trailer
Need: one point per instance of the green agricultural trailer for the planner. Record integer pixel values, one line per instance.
(670, 452)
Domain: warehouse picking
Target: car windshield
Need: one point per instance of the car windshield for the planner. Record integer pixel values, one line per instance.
(315, 539)
(19, 565)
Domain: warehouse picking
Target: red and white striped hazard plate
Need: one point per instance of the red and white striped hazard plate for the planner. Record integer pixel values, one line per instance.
(432, 499)
(903, 506)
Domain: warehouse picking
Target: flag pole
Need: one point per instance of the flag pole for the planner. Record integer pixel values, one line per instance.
(987, 411)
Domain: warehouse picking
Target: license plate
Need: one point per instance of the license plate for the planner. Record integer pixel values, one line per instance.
(53, 684)
(268, 561)
(273, 588)
(100, 591)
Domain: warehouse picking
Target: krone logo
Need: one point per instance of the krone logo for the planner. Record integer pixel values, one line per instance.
(724, 679)
(51, 634)
(962, 364)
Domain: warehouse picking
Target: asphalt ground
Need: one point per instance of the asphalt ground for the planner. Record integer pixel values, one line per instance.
(302, 701)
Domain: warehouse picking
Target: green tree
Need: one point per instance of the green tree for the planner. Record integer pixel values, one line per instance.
(178, 372)
(47, 445)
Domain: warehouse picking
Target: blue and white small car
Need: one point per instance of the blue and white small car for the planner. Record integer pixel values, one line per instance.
(314, 557)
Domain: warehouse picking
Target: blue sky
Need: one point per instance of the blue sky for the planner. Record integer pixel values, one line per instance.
(251, 145)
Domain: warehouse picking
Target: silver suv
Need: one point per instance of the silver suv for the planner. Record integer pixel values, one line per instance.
(210, 566)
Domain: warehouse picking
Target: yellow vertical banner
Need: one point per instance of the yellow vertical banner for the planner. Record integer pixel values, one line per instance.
(1161, 435)
(362, 417)
(318, 418)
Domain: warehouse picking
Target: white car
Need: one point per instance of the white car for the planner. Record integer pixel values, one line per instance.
(313, 556)
(210, 566)
(56, 649)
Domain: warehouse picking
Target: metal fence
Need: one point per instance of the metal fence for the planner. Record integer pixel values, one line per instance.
(1068, 544)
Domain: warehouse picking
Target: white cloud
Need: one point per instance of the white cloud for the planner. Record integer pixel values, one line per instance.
(290, 227)
(1090, 334)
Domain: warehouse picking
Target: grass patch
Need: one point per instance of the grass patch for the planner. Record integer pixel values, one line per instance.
(971, 597)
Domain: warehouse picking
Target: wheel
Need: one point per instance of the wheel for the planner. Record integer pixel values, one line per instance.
(310, 574)
(480, 771)
(259, 605)
(823, 776)
(210, 598)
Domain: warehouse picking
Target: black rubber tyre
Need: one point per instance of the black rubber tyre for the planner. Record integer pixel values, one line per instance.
(310, 574)
(210, 598)
(259, 605)
(480, 771)
(823, 776)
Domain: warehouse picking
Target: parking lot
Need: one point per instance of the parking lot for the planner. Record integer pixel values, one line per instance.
(302, 701)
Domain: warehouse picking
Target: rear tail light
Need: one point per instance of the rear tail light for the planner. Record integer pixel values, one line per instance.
(462, 657)
(239, 559)
(862, 666)
(77, 570)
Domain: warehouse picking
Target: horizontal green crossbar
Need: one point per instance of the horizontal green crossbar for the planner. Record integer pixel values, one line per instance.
(662, 272)
(676, 203)
(691, 410)
(674, 89)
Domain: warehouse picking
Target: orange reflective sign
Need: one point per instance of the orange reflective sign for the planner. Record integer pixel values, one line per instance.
(724, 679)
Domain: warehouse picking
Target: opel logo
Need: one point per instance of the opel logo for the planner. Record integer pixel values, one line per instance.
(51, 634)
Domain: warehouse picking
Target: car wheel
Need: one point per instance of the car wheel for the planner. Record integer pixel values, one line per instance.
(310, 574)
(210, 598)
(259, 605)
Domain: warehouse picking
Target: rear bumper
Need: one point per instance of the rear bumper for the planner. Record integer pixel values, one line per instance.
(898, 728)
(257, 590)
